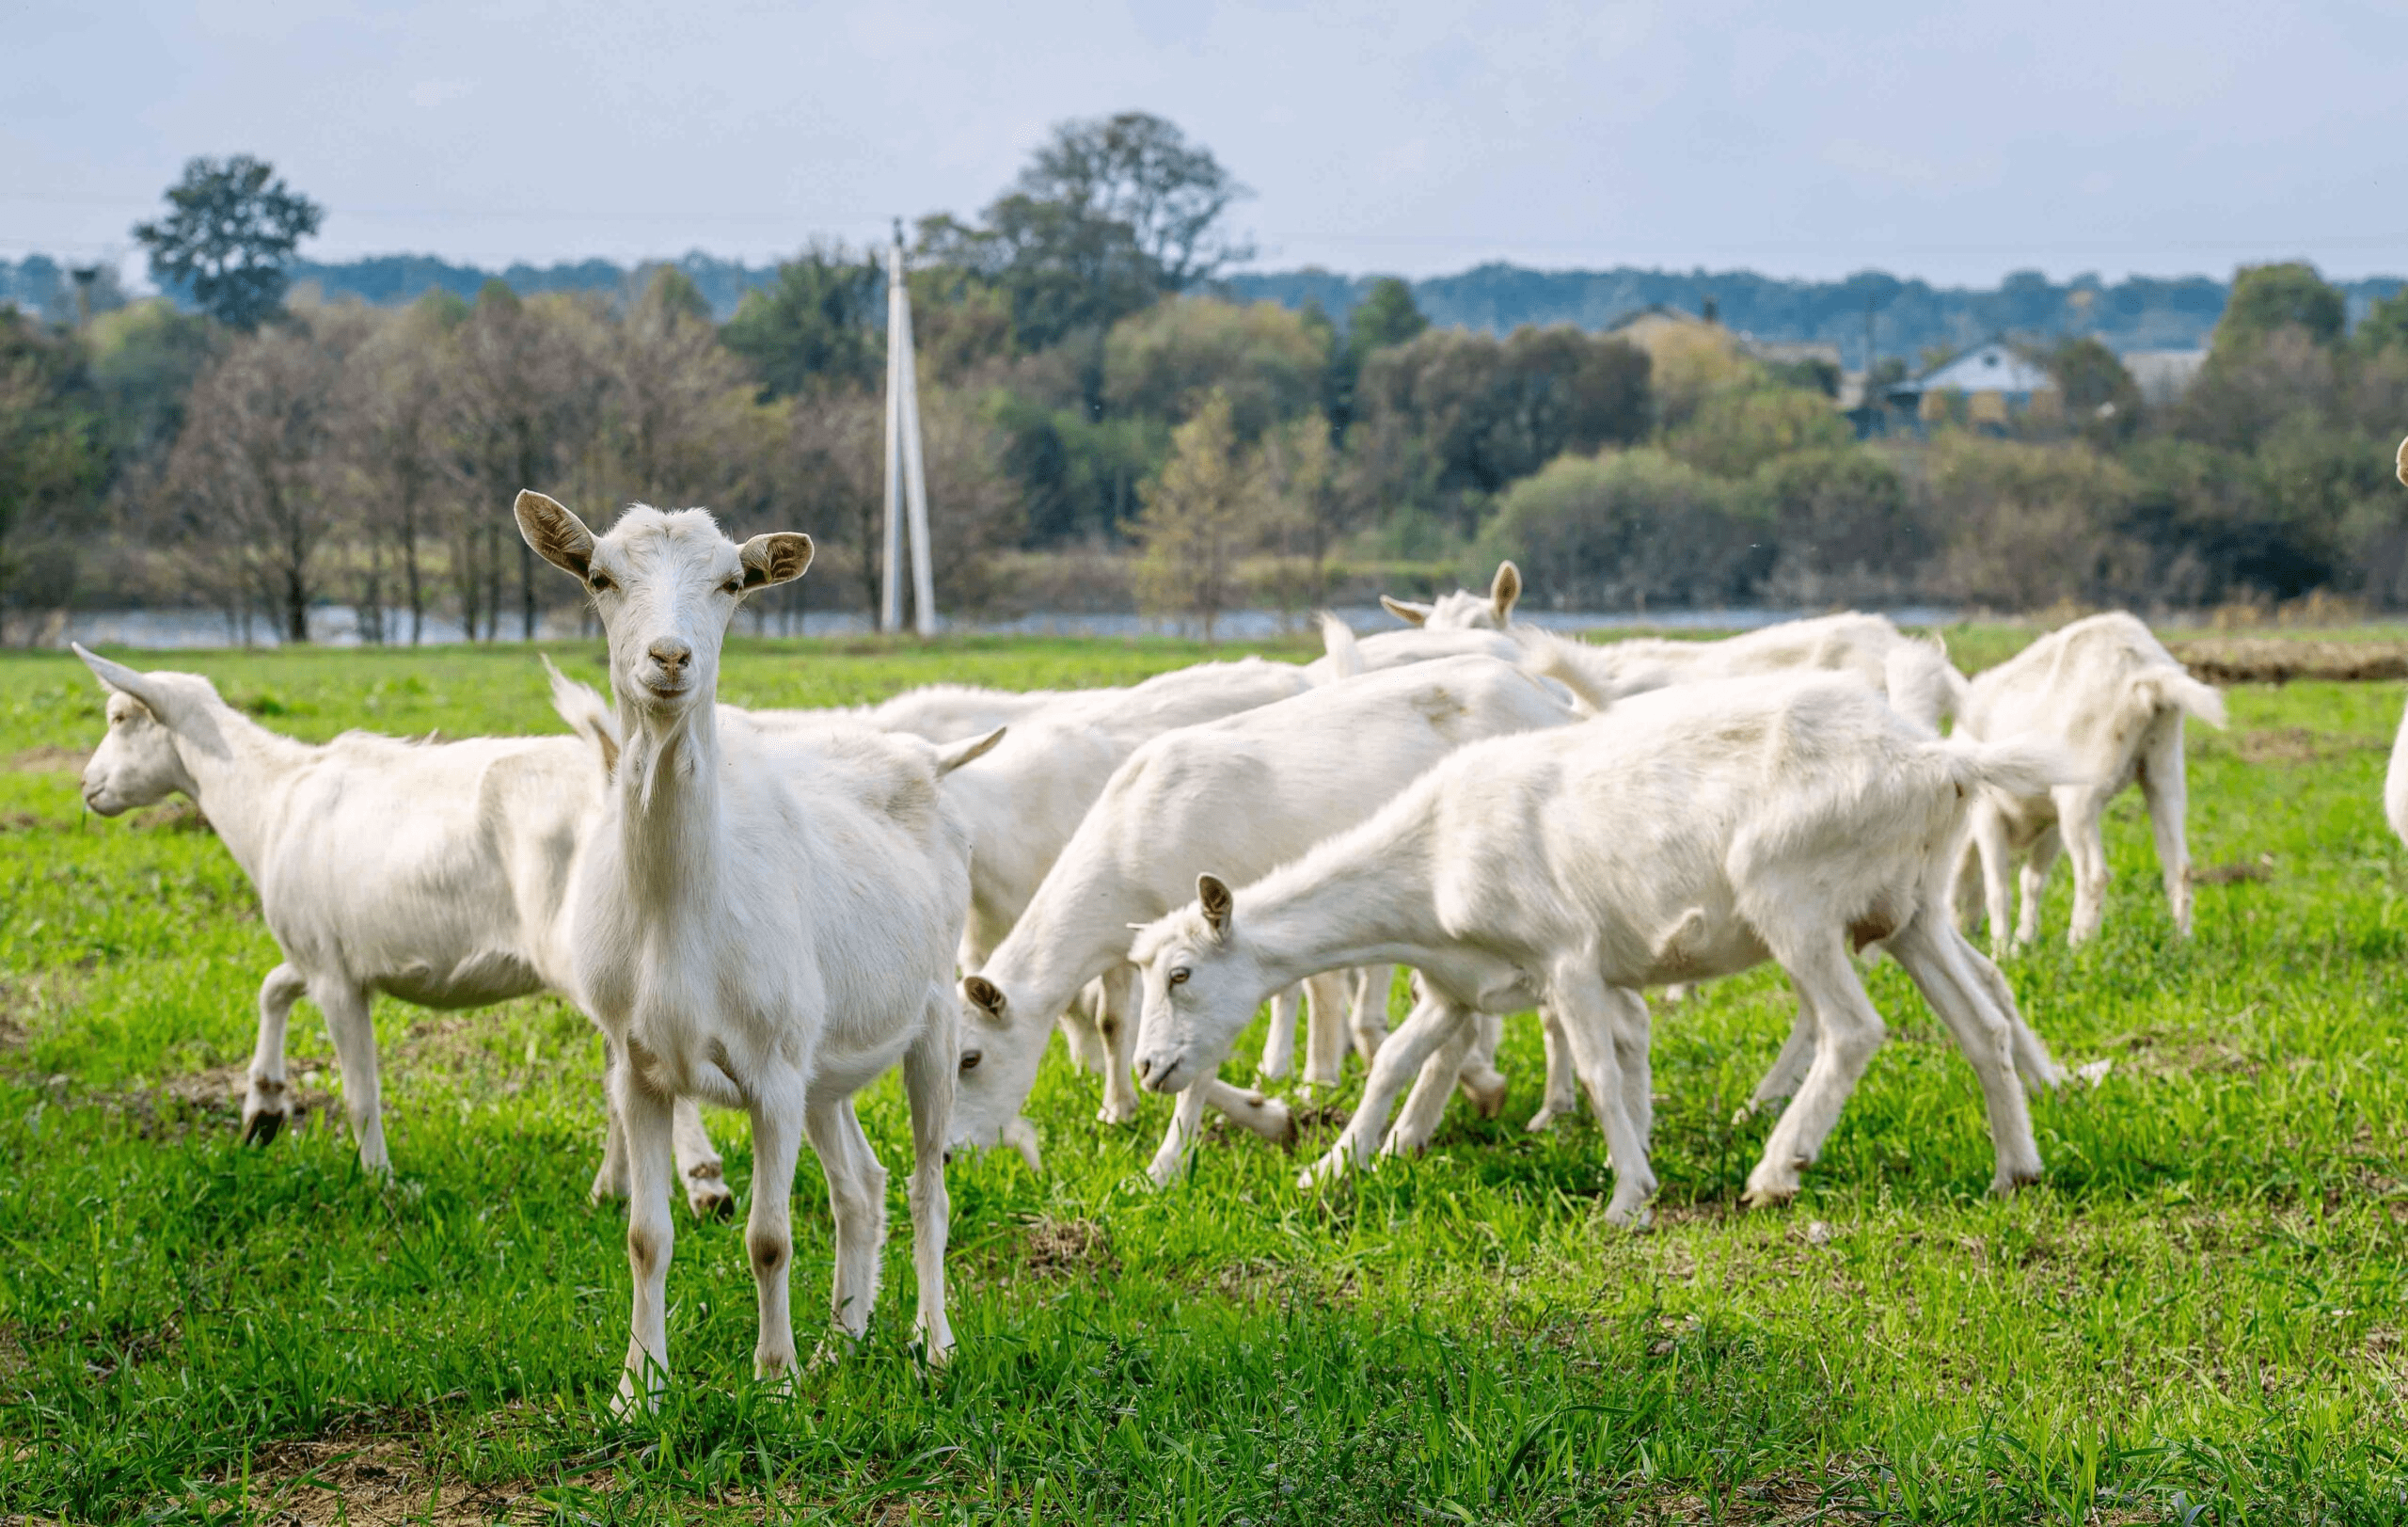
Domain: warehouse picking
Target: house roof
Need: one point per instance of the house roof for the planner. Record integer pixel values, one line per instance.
(1994, 367)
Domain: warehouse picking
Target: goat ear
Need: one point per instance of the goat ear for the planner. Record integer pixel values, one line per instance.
(558, 537)
(124, 680)
(773, 559)
(1505, 591)
(949, 759)
(1406, 611)
(2400, 462)
(985, 994)
(1212, 894)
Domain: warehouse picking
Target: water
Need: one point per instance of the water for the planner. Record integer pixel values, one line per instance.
(339, 625)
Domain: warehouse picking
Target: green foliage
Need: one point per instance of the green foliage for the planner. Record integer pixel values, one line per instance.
(821, 324)
(1451, 417)
(2099, 396)
(230, 230)
(1206, 511)
(1265, 361)
(1841, 517)
(51, 453)
(2194, 1317)
(2269, 299)
(1735, 432)
(1385, 316)
(1618, 529)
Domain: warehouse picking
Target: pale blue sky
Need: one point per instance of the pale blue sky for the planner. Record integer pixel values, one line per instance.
(1951, 142)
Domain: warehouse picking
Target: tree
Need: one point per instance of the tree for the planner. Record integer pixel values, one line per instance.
(1735, 431)
(1138, 170)
(2101, 400)
(1265, 359)
(51, 459)
(1385, 316)
(1109, 215)
(1205, 511)
(391, 425)
(1626, 528)
(230, 230)
(817, 326)
(2266, 298)
(249, 477)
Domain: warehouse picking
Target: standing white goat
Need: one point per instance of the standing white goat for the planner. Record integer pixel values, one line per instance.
(1252, 791)
(1462, 609)
(1691, 834)
(764, 921)
(2106, 691)
(434, 872)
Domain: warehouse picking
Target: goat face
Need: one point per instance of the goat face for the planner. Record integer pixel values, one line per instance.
(998, 1056)
(666, 586)
(136, 763)
(1202, 984)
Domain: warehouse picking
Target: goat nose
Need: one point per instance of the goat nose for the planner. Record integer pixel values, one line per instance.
(671, 653)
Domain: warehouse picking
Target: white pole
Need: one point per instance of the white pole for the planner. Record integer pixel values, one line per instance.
(890, 610)
(915, 486)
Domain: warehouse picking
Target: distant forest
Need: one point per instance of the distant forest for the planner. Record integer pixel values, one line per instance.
(1909, 318)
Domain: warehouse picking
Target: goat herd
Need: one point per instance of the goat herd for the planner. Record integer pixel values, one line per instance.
(768, 910)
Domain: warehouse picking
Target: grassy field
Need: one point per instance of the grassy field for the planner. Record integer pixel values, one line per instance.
(2199, 1316)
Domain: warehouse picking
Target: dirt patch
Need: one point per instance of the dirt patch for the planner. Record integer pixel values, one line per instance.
(2299, 745)
(178, 816)
(372, 1485)
(49, 760)
(1067, 1248)
(211, 1099)
(2266, 660)
(2238, 872)
(25, 822)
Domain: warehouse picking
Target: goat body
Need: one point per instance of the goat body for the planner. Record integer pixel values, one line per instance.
(1689, 834)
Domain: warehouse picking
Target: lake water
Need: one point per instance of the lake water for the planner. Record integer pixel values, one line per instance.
(339, 625)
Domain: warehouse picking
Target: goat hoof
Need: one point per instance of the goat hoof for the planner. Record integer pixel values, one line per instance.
(1117, 1114)
(1487, 1094)
(716, 1201)
(264, 1126)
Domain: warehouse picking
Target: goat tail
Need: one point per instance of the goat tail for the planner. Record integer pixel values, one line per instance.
(2171, 689)
(1547, 656)
(953, 755)
(1923, 684)
(2018, 766)
(1338, 640)
(582, 708)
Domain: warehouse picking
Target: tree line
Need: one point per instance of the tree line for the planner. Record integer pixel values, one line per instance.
(1107, 423)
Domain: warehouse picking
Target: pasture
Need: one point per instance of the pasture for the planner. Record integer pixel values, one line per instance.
(2201, 1315)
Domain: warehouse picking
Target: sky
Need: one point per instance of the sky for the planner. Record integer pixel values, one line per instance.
(1955, 143)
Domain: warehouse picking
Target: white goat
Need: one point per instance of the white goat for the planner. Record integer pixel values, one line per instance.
(1690, 833)
(1253, 789)
(1915, 676)
(2395, 783)
(1463, 611)
(764, 921)
(2113, 699)
(434, 872)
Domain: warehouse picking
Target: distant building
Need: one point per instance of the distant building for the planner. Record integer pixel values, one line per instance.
(1994, 381)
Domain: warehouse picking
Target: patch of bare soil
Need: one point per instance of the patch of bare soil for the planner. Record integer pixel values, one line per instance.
(2298, 745)
(177, 816)
(371, 1485)
(211, 1099)
(2269, 659)
(1067, 1248)
(2238, 872)
(48, 760)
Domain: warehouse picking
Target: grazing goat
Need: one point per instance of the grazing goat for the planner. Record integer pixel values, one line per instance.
(2113, 699)
(764, 919)
(1254, 791)
(1690, 833)
(434, 872)
(1915, 676)
(1463, 611)
(2395, 783)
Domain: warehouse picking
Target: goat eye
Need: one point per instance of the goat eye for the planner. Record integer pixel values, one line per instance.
(1179, 977)
(734, 585)
(600, 583)
(969, 1059)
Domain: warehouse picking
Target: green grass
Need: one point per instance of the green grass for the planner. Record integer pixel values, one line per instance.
(2200, 1315)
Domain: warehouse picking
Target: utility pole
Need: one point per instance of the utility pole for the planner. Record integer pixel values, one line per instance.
(906, 483)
